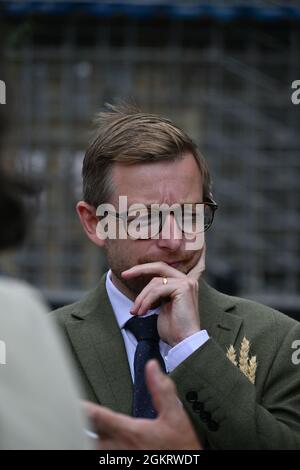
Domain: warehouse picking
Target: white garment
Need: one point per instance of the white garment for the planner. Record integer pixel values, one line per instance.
(39, 404)
(172, 356)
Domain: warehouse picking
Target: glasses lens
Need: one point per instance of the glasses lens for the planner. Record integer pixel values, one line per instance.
(198, 218)
(190, 218)
(144, 225)
(208, 216)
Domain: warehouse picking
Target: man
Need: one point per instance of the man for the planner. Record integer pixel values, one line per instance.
(231, 359)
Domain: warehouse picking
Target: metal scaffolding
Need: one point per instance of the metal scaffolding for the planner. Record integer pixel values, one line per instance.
(228, 83)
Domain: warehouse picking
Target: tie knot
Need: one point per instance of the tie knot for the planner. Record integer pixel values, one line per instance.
(144, 328)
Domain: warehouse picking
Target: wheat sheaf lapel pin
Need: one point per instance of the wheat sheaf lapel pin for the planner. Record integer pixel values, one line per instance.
(246, 364)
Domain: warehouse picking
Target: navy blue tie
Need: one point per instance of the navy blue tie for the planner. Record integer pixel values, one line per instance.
(145, 331)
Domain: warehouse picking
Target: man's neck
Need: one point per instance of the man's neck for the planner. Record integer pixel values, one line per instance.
(121, 287)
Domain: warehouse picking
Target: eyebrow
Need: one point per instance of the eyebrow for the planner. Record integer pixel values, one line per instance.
(148, 206)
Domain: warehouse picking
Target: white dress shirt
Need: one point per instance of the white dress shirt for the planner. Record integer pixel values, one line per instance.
(172, 356)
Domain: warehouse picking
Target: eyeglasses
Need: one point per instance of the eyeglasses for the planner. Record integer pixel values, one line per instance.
(191, 218)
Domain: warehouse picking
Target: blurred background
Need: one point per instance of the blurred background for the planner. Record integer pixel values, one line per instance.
(221, 69)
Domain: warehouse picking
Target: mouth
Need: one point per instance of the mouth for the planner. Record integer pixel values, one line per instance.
(174, 264)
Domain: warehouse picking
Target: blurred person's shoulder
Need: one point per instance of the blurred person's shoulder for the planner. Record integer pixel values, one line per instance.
(20, 299)
(37, 360)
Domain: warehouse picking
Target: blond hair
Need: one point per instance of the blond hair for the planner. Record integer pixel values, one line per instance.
(124, 134)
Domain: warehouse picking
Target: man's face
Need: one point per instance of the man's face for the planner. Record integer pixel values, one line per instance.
(168, 182)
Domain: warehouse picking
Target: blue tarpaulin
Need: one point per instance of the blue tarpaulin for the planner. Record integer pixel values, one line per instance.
(180, 10)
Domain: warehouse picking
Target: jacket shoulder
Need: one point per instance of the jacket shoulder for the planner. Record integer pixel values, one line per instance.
(262, 318)
(260, 312)
(63, 314)
(251, 311)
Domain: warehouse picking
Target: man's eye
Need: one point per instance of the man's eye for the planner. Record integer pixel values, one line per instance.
(140, 218)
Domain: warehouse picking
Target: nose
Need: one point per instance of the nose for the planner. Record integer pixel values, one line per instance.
(171, 235)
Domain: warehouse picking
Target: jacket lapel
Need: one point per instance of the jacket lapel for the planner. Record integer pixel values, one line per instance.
(99, 345)
(216, 315)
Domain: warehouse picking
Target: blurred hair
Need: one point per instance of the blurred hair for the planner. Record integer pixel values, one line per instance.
(14, 213)
(126, 135)
(17, 193)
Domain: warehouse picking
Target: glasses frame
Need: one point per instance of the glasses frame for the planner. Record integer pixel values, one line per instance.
(210, 202)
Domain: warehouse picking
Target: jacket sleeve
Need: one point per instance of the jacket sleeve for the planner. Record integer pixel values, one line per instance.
(223, 403)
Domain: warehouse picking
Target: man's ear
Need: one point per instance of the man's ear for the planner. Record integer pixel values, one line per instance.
(89, 221)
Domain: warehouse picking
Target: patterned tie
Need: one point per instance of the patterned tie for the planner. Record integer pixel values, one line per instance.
(145, 331)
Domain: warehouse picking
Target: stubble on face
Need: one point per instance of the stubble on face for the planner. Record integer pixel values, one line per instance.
(119, 260)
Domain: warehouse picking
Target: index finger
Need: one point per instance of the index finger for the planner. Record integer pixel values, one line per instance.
(158, 268)
(104, 420)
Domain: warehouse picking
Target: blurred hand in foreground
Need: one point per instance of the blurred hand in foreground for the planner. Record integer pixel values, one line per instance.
(171, 430)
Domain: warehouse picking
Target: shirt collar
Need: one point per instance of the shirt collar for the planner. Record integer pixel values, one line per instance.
(121, 304)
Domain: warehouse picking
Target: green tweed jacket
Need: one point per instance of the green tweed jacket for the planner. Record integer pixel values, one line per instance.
(227, 410)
